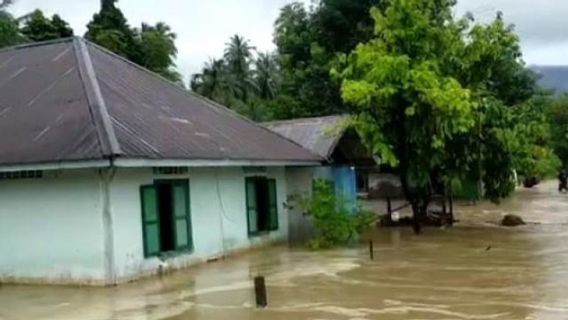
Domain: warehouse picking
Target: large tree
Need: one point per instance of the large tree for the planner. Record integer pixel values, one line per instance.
(243, 80)
(308, 41)
(38, 27)
(110, 29)
(9, 30)
(158, 50)
(238, 57)
(557, 115)
(434, 96)
(152, 47)
(265, 76)
(213, 82)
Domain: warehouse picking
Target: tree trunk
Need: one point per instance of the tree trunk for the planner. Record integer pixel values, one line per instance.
(451, 208)
(416, 224)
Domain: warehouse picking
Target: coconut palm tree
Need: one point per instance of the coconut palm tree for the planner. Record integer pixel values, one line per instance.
(213, 82)
(238, 54)
(266, 76)
(238, 57)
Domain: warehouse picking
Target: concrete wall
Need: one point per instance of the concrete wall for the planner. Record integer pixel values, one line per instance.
(299, 182)
(51, 228)
(218, 211)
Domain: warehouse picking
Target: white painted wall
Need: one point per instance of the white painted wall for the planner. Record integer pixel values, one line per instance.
(51, 228)
(218, 211)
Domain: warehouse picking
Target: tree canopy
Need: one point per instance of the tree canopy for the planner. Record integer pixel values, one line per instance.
(283, 84)
(557, 116)
(9, 27)
(438, 98)
(152, 47)
(244, 80)
(307, 42)
(37, 27)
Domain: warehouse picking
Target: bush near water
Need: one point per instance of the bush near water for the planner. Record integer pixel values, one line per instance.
(335, 224)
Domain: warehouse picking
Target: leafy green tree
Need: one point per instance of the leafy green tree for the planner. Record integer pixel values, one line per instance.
(308, 41)
(304, 67)
(152, 47)
(557, 116)
(37, 27)
(424, 99)
(158, 50)
(9, 30)
(340, 25)
(109, 28)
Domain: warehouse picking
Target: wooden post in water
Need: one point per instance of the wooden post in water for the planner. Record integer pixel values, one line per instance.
(371, 250)
(260, 292)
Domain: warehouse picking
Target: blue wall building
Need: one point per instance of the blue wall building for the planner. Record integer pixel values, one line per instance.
(348, 162)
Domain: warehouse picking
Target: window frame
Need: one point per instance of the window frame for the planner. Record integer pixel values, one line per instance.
(189, 248)
(272, 208)
(145, 222)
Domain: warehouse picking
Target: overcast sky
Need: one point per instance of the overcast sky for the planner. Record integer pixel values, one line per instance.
(203, 26)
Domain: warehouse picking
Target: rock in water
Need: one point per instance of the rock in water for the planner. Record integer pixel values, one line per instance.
(512, 220)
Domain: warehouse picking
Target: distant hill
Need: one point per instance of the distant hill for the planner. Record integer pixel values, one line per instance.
(553, 77)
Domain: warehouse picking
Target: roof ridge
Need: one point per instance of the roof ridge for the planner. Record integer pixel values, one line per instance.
(97, 106)
(209, 103)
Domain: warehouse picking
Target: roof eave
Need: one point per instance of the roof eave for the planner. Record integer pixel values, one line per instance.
(148, 163)
(56, 165)
(141, 163)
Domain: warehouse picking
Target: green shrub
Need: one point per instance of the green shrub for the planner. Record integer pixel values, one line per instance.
(334, 224)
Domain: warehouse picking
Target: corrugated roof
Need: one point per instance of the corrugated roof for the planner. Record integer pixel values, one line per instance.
(319, 135)
(72, 100)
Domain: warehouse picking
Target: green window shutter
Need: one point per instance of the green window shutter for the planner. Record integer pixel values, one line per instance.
(272, 205)
(150, 221)
(182, 215)
(252, 212)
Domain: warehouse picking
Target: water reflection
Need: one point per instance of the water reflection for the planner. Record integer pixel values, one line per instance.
(474, 271)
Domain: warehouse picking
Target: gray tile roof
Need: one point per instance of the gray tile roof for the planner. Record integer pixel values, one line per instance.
(319, 135)
(71, 100)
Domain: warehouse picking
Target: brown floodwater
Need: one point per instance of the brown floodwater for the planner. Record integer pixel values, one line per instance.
(473, 271)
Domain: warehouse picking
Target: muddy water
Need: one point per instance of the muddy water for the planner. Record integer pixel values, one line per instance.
(473, 271)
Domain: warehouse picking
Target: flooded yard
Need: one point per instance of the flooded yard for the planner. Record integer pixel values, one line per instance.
(473, 271)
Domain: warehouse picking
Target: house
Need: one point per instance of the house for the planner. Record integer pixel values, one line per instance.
(348, 163)
(109, 173)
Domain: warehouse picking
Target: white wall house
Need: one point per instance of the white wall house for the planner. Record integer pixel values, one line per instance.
(111, 173)
(54, 228)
